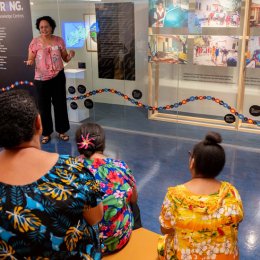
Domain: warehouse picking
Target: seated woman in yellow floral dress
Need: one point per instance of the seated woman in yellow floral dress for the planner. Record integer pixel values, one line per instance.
(200, 218)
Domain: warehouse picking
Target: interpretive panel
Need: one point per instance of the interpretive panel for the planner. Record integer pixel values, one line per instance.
(15, 36)
(116, 41)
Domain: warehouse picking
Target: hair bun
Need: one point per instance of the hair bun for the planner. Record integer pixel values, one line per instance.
(212, 138)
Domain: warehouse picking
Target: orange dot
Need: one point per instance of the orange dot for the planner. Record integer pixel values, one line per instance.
(125, 97)
(217, 100)
(12, 86)
(184, 102)
(140, 104)
(168, 107)
(250, 121)
(200, 97)
(232, 110)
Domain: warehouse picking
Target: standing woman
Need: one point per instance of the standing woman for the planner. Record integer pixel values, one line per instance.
(48, 52)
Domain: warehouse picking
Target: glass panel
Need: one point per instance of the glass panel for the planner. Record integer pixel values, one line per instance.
(251, 106)
(197, 61)
(189, 73)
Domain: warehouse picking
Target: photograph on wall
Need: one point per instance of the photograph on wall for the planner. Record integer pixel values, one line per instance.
(255, 13)
(215, 50)
(170, 49)
(91, 28)
(253, 52)
(74, 34)
(168, 13)
(218, 13)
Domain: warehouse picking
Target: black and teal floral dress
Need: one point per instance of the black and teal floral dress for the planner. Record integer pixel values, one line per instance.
(44, 219)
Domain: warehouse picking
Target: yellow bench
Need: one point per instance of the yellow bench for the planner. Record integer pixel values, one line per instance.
(141, 246)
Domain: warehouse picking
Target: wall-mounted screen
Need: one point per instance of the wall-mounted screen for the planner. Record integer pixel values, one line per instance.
(74, 34)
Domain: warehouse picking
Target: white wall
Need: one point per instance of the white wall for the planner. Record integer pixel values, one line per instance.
(75, 12)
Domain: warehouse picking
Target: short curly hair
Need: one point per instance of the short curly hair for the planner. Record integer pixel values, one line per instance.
(51, 22)
(17, 118)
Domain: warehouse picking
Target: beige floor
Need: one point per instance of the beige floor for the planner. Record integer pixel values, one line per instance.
(141, 246)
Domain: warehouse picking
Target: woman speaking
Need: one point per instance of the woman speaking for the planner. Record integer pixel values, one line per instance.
(48, 52)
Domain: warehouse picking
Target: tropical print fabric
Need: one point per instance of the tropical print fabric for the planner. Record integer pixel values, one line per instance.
(117, 182)
(44, 219)
(205, 226)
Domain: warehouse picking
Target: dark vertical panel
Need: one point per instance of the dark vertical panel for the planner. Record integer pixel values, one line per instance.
(15, 36)
(116, 41)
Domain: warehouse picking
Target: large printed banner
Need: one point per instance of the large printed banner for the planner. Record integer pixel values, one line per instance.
(15, 36)
(116, 41)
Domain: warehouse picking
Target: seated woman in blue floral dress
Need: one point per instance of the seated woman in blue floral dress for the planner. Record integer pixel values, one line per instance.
(49, 203)
(121, 212)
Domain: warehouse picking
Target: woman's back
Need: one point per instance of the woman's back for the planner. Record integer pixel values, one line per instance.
(45, 218)
(117, 182)
(205, 226)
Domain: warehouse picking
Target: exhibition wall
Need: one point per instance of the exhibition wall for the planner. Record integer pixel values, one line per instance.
(194, 62)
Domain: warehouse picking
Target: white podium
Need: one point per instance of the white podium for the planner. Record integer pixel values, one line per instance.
(74, 78)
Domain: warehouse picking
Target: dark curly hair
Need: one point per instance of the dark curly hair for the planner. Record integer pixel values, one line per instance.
(51, 22)
(209, 156)
(17, 118)
(96, 132)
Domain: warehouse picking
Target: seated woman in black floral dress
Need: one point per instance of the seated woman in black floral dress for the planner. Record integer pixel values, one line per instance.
(49, 203)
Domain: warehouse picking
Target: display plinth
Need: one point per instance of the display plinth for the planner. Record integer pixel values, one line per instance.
(74, 79)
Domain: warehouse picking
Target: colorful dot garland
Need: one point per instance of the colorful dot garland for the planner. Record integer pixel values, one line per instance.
(17, 83)
(168, 107)
(140, 104)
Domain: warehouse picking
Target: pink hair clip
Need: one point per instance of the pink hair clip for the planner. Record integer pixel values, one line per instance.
(86, 141)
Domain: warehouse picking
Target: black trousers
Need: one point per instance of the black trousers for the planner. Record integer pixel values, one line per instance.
(53, 92)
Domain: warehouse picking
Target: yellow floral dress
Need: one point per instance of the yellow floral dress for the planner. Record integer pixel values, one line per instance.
(205, 226)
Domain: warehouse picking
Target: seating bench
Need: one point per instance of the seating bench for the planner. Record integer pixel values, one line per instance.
(141, 246)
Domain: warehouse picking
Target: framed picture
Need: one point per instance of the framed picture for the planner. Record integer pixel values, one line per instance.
(91, 27)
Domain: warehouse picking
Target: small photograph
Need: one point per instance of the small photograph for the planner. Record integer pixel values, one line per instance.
(91, 26)
(168, 13)
(253, 53)
(74, 34)
(170, 49)
(255, 13)
(218, 13)
(215, 50)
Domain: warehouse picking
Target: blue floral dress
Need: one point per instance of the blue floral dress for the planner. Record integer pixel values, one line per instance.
(44, 219)
(117, 182)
